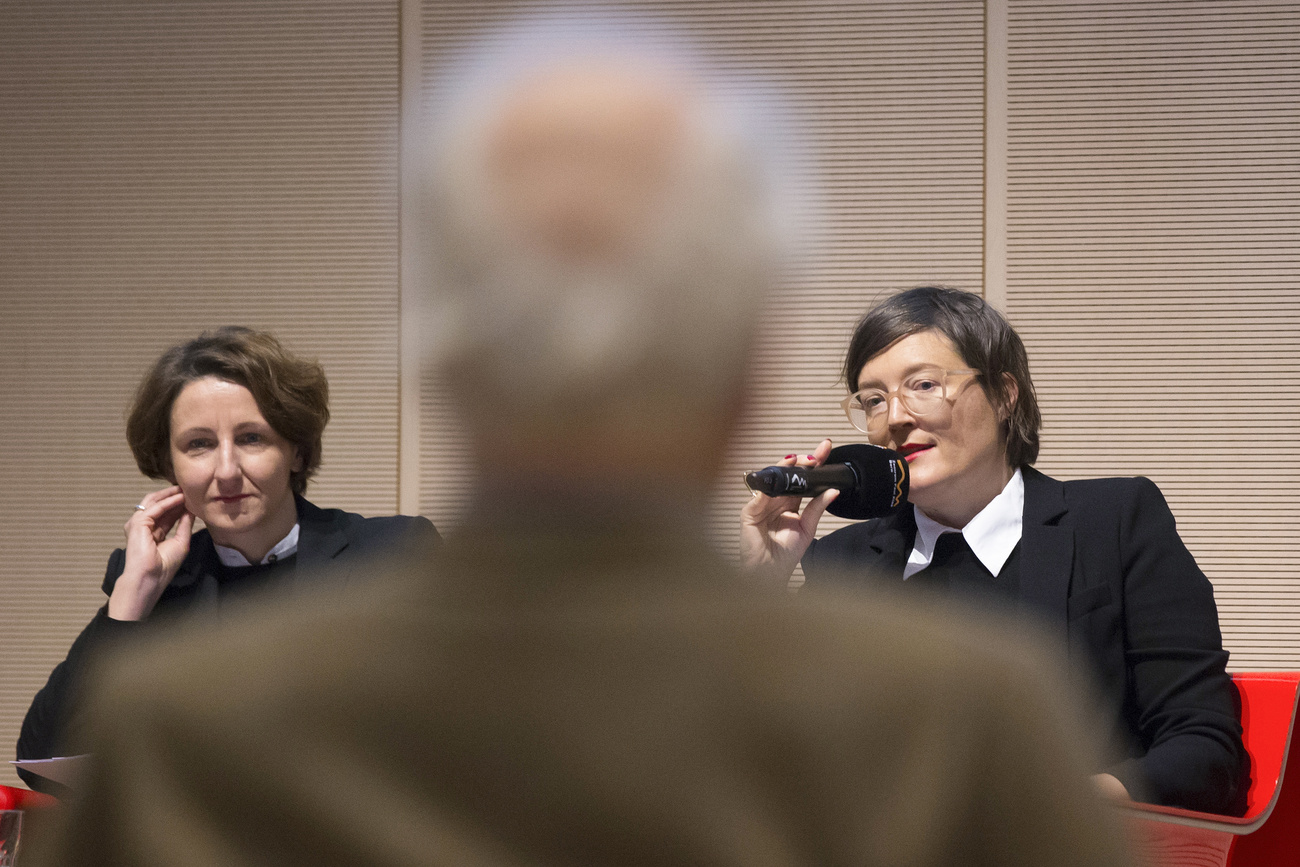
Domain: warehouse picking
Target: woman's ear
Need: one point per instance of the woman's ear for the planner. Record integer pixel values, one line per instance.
(1010, 394)
(298, 461)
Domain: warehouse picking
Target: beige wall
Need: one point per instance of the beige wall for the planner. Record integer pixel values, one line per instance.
(1153, 177)
(166, 168)
(1120, 177)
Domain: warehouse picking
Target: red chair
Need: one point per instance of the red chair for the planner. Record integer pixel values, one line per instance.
(14, 798)
(1268, 835)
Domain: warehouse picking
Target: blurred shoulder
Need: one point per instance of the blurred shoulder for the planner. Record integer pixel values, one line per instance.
(265, 651)
(937, 640)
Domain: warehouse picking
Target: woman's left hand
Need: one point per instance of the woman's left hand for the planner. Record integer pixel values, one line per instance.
(152, 558)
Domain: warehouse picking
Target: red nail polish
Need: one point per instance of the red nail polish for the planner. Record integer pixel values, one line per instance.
(811, 458)
(787, 457)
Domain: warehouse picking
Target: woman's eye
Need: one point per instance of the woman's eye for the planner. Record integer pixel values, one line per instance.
(924, 385)
(249, 439)
(195, 445)
(872, 401)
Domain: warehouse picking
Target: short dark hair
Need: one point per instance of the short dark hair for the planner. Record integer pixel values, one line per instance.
(292, 394)
(982, 337)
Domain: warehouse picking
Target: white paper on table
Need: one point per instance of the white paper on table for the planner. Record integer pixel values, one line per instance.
(64, 769)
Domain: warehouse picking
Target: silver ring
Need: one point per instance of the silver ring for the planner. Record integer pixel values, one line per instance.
(141, 508)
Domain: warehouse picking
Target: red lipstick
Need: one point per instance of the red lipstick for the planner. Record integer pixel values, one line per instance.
(910, 450)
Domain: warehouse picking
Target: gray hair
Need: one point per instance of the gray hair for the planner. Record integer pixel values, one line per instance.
(672, 315)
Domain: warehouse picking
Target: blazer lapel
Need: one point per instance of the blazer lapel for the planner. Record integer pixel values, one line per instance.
(320, 539)
(892, 543)
(1047, 549)
(199, 572)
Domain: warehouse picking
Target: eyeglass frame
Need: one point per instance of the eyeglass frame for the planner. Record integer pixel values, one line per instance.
(961, 371)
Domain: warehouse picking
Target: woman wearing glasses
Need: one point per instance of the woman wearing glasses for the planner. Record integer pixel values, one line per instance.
(942, 378)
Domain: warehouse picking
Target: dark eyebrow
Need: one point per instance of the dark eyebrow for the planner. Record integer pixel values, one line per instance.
(194, 431)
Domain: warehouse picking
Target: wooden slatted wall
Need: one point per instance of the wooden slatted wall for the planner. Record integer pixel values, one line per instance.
(165, 168)
(1153, 153)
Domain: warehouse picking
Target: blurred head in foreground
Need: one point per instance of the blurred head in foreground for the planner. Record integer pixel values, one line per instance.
(601, 231)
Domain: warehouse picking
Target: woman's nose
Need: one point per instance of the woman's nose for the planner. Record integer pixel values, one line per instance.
(227, 462)
(898, 413)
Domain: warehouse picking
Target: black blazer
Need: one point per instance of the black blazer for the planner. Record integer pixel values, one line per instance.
(1102, 563)
(333, 546)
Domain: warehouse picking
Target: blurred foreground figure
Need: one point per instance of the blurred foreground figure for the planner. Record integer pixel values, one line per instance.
(583, 681)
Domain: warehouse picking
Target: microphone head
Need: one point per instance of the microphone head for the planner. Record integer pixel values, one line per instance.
(883, 481)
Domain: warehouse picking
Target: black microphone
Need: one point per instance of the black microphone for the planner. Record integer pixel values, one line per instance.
(872, 481)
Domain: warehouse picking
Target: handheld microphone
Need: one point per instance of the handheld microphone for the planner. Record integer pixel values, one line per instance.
(872, 481)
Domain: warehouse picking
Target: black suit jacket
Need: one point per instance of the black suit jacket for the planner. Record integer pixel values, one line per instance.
(1102, 564)
(333, 546)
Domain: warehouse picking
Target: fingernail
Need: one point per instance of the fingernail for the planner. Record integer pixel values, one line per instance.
(787, 457)
(811, 458)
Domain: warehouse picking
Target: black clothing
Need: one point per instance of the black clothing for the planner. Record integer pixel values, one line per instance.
(955, 569)
(243, 579)
(331, 543)
(1101, 561)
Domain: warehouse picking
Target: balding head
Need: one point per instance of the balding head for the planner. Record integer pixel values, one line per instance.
(600, 238)
(580, 158)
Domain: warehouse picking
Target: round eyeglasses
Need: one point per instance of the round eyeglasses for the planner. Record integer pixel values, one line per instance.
(921, 394)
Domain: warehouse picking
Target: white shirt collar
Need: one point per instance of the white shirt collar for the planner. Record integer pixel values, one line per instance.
(992, 534)
(284, 548)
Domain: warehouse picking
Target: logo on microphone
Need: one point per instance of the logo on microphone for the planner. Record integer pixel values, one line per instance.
(900, 476)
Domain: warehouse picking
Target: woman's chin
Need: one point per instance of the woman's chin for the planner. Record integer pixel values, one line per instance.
(923, 492)
(929, 500)
(223, 524)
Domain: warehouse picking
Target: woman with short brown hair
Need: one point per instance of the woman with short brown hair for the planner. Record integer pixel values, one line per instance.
(941, 377)
(292, 394)
(233, 422)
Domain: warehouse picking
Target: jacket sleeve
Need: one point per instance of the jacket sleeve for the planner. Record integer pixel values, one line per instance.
(1181, 702)
(47, 721)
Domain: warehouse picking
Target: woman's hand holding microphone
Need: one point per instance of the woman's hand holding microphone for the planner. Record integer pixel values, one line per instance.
(773, 532)
(151, 558)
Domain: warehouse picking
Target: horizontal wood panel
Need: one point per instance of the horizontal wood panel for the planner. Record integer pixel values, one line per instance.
(167, 168)
(1152, 259)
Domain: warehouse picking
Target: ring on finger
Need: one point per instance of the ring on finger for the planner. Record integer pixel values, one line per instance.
(140, 508)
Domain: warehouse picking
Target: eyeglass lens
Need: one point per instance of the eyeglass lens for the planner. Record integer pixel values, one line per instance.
(920, 394)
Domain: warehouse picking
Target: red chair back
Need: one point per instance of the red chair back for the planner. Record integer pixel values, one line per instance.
(1268, 705)
(1270, 699)
(14, 798)
(1268, 835)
